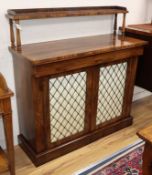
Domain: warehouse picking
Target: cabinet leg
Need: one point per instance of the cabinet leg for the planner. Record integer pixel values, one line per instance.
(147, 160)
(7, 120)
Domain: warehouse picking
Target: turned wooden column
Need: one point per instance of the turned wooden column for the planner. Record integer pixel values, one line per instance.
(146, 135)
(6, 114)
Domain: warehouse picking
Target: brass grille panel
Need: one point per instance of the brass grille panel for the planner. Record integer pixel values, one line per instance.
(67, 105)
(111, 92)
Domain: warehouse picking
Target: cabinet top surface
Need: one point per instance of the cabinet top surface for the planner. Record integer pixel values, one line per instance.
(143, 29)
(66, 49)
(145, 134)
(37, 13)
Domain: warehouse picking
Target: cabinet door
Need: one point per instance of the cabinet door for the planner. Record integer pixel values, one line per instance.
(81, 102)
(111, 92)
(67, 106)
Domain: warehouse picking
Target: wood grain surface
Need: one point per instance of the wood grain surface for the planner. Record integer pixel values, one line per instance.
(146, 134)
(142, 29)
(23, 14)
(61, 50)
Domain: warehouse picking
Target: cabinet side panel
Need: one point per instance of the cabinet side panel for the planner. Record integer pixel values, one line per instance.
(144, 70)
(23, 84)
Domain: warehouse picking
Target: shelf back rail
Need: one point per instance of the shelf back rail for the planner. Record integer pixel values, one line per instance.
(15, 15)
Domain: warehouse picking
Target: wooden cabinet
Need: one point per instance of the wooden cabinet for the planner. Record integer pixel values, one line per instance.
(144, 70)
(145, 134)
(72, 92)
(7, 161)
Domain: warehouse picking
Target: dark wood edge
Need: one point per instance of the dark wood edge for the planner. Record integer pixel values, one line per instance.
(41, 158)
(140, 135)
(143, 138)
(137, 31)
(37, 13)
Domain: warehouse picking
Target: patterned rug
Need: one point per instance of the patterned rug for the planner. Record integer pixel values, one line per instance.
(127, 161)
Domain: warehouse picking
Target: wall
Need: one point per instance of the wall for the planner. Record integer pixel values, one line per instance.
(57, 29)
(149, 10)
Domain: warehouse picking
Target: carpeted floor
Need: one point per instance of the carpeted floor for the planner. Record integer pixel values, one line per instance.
(127, 161)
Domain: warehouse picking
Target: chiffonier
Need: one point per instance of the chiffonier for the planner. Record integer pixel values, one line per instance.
(72, 92)
(144, 70)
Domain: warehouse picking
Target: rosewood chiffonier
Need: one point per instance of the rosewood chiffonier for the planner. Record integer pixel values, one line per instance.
(72, 92)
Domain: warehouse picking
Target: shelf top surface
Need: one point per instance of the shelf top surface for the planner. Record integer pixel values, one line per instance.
(66, 49)
(145, 29)
(37, 13)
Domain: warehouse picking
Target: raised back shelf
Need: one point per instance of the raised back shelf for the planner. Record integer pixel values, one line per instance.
(15, 15)
(25, 14)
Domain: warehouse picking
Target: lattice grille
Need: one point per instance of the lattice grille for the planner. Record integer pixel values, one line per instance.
(111, 92)
(67, 105)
